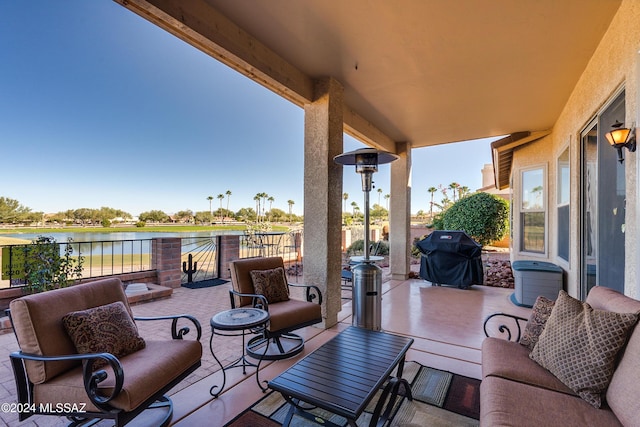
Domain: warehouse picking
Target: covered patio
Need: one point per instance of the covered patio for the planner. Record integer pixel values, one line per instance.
(404, 76)
(445, 322)
(397, 78)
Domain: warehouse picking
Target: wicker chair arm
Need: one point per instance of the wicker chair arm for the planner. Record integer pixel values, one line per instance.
(515, 321)
(91, 379)
(177, 334)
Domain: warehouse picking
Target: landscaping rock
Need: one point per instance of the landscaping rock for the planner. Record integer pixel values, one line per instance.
(498, 273)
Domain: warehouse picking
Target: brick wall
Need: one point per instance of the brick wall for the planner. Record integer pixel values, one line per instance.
(228, 250)
(166, 254)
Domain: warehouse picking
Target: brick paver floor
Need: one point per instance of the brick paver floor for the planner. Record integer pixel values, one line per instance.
(200, 303)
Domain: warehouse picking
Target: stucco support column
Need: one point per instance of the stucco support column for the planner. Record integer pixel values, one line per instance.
(323, 123)
(400, 213)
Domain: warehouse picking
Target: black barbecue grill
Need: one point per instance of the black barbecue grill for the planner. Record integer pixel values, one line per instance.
(451, 258)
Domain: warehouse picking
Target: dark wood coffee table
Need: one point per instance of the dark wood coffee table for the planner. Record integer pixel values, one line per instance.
(343, 375)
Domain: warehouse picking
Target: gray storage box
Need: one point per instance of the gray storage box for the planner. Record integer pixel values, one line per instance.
(534, 278)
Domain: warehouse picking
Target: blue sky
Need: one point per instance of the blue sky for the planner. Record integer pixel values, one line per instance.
(99, 107)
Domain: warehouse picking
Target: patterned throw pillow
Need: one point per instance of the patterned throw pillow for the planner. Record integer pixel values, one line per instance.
(104, 329)
(535, 325)
(271, 283)
(579, 346)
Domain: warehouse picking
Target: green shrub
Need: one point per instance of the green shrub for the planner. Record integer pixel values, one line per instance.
(482, 216)
(415, 252)
(106, 223)
(357, 247)
(438, 221)
(140, 224)
(45, 268)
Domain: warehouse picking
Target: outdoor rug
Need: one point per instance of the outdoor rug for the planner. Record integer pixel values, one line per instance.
(205, 283)
(440, 399)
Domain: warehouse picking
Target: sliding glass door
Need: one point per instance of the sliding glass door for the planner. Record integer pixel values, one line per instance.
(602, 201)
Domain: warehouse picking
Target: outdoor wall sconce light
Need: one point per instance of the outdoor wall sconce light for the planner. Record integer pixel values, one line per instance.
(620, 137)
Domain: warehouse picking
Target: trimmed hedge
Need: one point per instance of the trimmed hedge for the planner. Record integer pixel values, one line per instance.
(482, 216)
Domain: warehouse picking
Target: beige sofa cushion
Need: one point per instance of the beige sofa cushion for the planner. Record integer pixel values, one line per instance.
(579, 345)
(509, 403)
(38, 322)
(622, 394)
(510, 360)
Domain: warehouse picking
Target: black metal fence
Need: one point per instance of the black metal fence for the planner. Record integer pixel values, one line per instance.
(199, 256)
(288, 245)
(99, 258)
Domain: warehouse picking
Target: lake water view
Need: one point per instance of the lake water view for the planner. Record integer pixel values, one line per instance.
(117, 252)
(117, 236)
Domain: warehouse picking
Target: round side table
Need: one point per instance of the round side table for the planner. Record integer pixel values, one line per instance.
(233, 323)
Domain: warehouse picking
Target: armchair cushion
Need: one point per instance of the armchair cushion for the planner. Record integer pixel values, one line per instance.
(145, 372)
(104, 329)
(38, 325)
(579, 345)
(293, 312)
(271, 283)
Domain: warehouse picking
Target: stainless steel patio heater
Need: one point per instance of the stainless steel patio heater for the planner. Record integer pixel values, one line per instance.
(366, 276)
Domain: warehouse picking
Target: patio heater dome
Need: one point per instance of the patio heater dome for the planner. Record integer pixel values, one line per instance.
(366, 161)
(367, 277)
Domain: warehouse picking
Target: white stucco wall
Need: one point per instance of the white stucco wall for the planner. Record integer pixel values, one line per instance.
(615, 63)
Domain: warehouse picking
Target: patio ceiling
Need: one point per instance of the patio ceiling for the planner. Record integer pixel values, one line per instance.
(424, 71)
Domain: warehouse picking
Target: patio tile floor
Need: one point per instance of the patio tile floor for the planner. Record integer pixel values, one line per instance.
(445, 322)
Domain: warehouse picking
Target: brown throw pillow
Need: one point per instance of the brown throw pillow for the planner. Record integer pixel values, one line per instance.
(535, 325)
(579, 346)
(271, 283)
(104, 329)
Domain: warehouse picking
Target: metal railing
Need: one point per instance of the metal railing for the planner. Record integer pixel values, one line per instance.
(271, 243)
(199, 259)
(288, 245)
(199, 256)
(100, 258)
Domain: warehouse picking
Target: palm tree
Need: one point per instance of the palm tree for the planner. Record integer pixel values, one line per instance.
(263, 197)
(221, 198)
(345, 197)
(431, 190)
(257, 199)
(228, 193)
(379, 194)
(387, 197)
(354, 206)
(463, 191)
(271, 200)
(210, 198)
(454, 186)
(290, 203)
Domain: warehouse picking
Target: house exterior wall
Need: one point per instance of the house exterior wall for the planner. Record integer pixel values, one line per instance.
(614, 64)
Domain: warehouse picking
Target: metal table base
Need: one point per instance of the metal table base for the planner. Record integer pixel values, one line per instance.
(233, 323)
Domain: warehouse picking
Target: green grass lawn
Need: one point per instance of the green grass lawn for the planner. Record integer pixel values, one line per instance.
(131, 229)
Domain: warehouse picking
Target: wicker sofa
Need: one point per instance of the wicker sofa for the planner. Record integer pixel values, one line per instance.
(517, 391)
